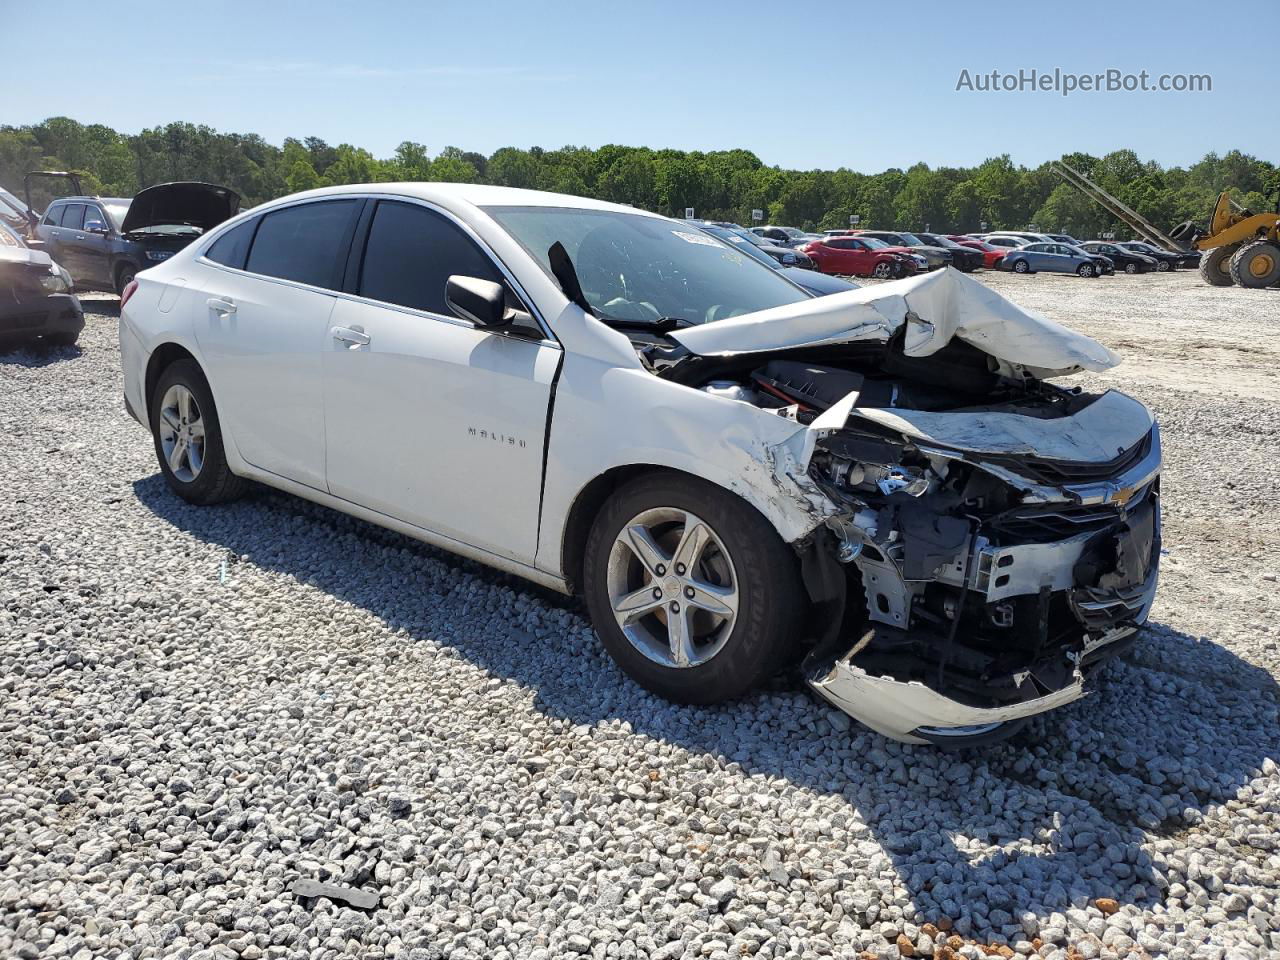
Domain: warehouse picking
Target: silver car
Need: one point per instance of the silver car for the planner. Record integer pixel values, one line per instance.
(1051, 258)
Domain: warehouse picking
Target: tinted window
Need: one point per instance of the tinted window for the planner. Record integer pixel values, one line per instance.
(842, 244)
(74, 216)
(306, 243)
(232, 247)
(53, 216)
(412, 252)
(92, 212)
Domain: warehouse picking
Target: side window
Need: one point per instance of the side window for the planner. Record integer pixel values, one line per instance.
(232, 248)
(412, 252)
(74, 216)
(53, 216)
(93, 212)
(307, 243)
(856, 245)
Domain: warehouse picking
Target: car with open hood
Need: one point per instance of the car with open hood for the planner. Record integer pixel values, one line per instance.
(887, 485)
(105, 241)
(36, 303)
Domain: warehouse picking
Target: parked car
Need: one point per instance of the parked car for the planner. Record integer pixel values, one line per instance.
(15, 215)
(816, 283)
(783, 256)
(1004, 241)
(733, 474)
(783, 236)
(36, 303)
(962, 257)
(104, 241)
(1165, 259)
(938, 257)
(1063, 238)
(864, 257)
(1028, 237)
(1053, 258)
(1126, 260)
(991, 254)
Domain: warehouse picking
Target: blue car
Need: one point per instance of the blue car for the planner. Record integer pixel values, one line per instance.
(1054, 258)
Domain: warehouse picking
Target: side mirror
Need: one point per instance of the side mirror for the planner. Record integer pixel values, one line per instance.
(483, 302)
(95, 226)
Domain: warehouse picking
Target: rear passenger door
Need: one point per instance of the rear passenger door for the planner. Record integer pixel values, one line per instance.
(429, 419)
(263, 310)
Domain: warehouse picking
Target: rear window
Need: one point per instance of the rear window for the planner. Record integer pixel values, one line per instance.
(232, 248)
(306, 243)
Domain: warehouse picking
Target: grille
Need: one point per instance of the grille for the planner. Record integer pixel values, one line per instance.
(1060, 472)
(1044, 524)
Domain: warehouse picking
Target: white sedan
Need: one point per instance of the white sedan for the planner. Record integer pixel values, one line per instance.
(733, 474)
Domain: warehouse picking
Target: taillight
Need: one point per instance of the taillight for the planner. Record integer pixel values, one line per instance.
(127, 292)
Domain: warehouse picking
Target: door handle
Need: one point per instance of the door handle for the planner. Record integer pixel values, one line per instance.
(222, 307)
(351, 335)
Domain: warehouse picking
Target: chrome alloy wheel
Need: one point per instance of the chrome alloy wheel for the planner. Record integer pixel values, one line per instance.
(182, 433)
(672, 587)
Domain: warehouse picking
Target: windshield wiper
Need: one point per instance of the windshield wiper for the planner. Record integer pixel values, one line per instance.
(661, 324)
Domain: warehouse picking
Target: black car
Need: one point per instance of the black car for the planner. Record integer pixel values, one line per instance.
(104, 241)
(1125, 260)
(35, 299)
(1163, 258)
(782, 236)
(962, 257)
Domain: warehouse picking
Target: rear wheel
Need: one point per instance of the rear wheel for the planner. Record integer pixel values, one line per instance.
(1215, 265)
(188, 437)
(1256, 264)
(1086, 270)
(690, 589)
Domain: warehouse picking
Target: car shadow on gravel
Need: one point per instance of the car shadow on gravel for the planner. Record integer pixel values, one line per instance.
(1073, 808)
(36, 355)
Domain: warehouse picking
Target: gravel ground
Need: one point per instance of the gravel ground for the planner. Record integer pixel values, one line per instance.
(198, 706)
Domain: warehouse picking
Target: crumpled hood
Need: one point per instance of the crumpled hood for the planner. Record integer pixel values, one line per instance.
(203, 205)
(23, 257)
(935, 307)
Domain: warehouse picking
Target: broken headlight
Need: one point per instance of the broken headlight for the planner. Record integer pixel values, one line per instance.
(56, 280)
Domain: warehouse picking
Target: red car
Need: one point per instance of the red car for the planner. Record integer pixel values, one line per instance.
(861, 257)
(991, 256)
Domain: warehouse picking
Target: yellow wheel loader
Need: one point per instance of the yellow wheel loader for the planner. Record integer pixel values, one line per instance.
(1241, 247)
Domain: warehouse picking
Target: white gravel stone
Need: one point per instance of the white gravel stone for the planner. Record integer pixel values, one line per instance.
(343, 704)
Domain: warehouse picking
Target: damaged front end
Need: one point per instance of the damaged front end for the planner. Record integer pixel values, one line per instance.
(986, 537)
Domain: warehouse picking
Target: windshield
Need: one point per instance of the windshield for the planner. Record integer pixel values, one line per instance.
(939, 241)
(742, 241)
(793, 232)
(873, 243)
(912, 240)
(641, 269)
(116, 209)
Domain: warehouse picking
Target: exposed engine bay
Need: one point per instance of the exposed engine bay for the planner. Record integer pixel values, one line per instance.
(994, 535)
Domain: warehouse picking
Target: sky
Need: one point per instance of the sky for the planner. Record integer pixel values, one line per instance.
(866, 85)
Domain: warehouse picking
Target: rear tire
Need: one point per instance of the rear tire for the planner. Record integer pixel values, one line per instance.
(183, 415)
(744, 557)
(1215, 265)
(1256, 264)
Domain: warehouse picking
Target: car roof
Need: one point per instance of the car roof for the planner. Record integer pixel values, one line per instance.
(473, 194)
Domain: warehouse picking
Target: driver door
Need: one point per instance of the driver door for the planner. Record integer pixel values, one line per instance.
(427, 418)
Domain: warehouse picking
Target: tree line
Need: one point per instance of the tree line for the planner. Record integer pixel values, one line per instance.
(718, 184)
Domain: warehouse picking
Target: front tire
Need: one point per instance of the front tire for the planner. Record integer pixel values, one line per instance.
(1131, 268)
(692, 592)
(1086, 270)
(882, 271)
(188, 437)
(1162, 266)
(1021, 266)
(124, 276)
(1256, 264)
(1215, 265)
